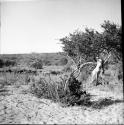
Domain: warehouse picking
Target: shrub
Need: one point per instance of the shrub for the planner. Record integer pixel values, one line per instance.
(7, 62)
(67, 91)
(63, 61)
(46, 62)
(37, 64)
(10, 63)
(39, 88)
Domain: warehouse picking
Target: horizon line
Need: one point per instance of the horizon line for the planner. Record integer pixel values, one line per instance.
(30, 53)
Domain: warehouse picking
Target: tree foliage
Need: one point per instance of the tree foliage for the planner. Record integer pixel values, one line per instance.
(112, 38)
(91, 44)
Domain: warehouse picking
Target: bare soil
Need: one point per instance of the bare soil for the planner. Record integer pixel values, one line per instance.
(18, 106)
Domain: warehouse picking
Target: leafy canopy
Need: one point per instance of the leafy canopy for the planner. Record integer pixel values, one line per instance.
(91, 44)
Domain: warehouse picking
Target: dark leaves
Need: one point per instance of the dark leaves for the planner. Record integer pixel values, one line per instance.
(90, 43)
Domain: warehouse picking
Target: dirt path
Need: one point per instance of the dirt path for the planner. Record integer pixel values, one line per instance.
(21, 107)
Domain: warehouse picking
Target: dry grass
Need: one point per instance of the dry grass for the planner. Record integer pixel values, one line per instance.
(54, 103)
(50, 89)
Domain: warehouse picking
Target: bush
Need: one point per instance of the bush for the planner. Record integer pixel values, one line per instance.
(67, 92)
(7, 62)
(10, 63)
(37, 64)
(40, 88)
(63, 61)
(46, 62)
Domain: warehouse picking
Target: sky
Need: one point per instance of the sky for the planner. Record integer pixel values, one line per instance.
(37, 25)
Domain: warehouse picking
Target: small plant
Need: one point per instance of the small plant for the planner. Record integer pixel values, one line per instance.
(37, 63)
(39, 87)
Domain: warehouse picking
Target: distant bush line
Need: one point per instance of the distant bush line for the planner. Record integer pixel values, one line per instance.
(32, 61)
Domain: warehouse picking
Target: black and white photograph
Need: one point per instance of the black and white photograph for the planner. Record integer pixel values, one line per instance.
(61, 62)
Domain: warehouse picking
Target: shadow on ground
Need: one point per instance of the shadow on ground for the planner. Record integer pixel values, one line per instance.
(4, 91)
(98, 104)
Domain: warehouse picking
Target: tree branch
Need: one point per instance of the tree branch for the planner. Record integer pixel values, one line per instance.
(81, 66)
(107, 58)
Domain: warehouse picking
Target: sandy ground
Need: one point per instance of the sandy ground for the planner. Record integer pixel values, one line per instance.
(18, 106)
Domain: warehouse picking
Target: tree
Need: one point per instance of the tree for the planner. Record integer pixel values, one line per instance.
(83, 47)
(112, 39)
